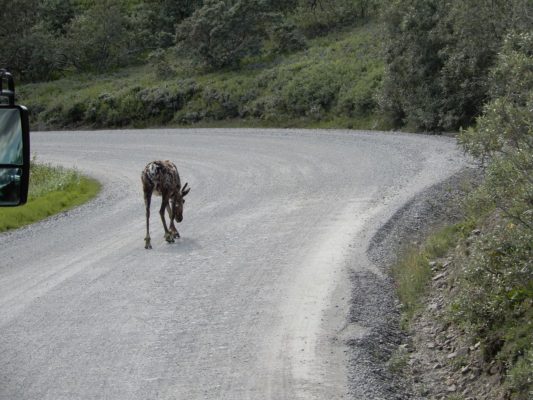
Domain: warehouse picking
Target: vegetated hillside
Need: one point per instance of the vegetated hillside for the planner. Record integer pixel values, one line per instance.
(334, 82)
(109, 63)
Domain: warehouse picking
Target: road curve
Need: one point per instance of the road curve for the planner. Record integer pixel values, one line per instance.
(250, 303)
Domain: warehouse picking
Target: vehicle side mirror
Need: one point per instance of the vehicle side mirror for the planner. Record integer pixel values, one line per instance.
(14, 149)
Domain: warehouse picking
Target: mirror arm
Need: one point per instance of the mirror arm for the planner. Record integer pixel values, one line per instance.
(10, 91)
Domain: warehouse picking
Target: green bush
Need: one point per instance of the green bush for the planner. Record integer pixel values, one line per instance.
(519, 378)
(497, 278)
(287, 38)
(319, 17)
(495, 300)
(100, 38)
(438, 56)
(221, 33)
(358, 98)
(311, 93)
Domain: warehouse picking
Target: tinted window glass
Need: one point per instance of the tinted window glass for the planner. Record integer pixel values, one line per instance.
(10, 137)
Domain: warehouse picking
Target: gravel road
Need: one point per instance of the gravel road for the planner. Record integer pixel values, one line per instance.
(250, 303)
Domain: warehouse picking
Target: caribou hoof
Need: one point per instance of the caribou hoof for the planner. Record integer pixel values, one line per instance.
(169, 237)
(176, 234)
(148, 245)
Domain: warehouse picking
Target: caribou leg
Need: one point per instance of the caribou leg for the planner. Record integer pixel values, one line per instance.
(172, 227)
(169, 236)
(147, 201)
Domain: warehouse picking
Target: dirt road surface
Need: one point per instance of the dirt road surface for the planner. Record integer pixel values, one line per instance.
(250, 303)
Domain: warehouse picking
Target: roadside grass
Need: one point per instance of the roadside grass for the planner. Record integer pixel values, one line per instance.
(413, 273)
(52, 190)
(331, 84)
(491, 300)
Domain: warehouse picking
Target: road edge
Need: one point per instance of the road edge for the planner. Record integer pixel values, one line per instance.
(374, 301)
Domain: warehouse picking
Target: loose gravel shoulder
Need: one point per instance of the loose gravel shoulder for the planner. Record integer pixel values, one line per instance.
(375, 305)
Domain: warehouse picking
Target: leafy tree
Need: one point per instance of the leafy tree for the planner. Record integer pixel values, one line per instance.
(411, 91)
(497, 300)
(504, 134)
(287, 38)
(157, 19)
(285, 6)
(39, 53)
(318, 17)
(16, 21)
(56, 15)
(472, 32)
(100, 38)
(438, 56)
(222, 33)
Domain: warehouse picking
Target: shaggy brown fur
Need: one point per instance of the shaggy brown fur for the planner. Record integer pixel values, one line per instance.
(161, 178)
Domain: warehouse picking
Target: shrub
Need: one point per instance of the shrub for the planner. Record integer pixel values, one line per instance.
(319, 17)
(359, 98)
(221, 33)
(438, 57)
(496, 297)
(287, 38)
(100, 38)
(158, 60)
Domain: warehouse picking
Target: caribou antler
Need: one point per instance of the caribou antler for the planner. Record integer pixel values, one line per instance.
(184, 190)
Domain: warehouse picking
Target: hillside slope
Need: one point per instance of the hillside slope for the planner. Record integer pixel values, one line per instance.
(332, 83)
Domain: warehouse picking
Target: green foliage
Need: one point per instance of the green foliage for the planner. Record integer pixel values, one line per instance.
(218, 100)
(134, 105)
(52, 190)
(37, 56)
(413, 273)
(155, 20)
(359, 97)
(159, 61)
(320, 17)
(16, 21)
(497, 279)
(332, 83)
(44, 39)
(56, 15)
(47, 178)
(287, 38)
(100, 38)
(438, 57)
(504, 134)
(472, 32)
(284, 6)
(222, 33)
(335, 79)
(495, 300)
(519, 378)
(48, 39)
(412, 62)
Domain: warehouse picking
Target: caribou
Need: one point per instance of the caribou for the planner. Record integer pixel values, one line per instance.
(161, 178)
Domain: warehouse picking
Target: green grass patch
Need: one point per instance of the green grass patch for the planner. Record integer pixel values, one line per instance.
(492, 296)
(399, 361)
(52, 190)
(413, 272)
